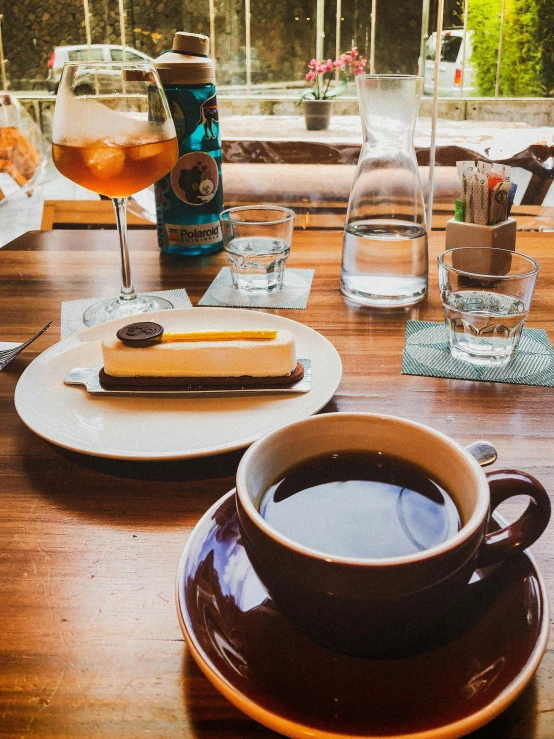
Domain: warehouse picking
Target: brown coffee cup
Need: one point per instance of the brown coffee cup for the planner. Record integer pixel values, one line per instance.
(374, 607)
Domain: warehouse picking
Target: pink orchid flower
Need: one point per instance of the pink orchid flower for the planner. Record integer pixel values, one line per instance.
(319, 75)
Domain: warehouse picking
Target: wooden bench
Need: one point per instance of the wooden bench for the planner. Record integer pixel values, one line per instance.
(84, 214)
(96, 214)
(318, 194)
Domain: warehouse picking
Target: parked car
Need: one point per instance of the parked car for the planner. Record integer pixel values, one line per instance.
(96, 53)
(450, 68)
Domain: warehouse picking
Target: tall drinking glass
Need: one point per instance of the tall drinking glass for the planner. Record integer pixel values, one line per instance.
(113, 134)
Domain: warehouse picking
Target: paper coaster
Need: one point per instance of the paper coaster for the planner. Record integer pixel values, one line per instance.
(72, 310)
(295, 293)
(427, 353)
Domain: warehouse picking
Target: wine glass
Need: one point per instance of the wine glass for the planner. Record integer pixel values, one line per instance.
(113, 134)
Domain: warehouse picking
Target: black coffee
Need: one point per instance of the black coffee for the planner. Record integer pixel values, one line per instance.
(361, 504)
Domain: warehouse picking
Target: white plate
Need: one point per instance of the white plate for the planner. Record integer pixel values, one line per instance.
(159, 428)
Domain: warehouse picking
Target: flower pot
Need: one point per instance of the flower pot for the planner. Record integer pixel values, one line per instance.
(317, 114)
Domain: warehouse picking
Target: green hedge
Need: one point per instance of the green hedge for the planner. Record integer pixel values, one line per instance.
(527, 66)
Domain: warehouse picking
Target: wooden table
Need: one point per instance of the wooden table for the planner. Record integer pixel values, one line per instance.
(89, 640)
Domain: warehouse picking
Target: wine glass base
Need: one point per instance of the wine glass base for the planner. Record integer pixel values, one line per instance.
(107, 310)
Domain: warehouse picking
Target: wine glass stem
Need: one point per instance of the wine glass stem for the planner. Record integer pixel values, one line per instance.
(127, 290)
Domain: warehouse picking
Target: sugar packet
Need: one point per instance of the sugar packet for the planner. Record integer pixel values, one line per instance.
(477, 207)
(465, 169)
(479, 181)
(499, 202)
(484, 167)
(511, 196)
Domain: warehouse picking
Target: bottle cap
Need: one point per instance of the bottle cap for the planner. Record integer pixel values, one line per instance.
(188, 62)
(191, 43)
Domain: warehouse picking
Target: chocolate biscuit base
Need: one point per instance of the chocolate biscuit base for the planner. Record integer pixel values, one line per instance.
(201, 383)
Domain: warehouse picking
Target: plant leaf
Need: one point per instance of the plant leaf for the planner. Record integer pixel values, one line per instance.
(338, 90)
(305, 95)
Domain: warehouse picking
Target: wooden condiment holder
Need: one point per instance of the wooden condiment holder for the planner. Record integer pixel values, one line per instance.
(500, 236)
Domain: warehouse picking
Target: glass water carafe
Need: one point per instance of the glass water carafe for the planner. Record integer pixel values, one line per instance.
(384, 261)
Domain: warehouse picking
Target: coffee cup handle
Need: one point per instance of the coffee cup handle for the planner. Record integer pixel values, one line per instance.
(509, 541)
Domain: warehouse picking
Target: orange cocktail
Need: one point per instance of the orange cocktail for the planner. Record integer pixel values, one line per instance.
(113, 134)
(117, 171)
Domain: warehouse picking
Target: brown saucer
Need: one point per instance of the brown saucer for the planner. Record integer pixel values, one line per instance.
(479, 661)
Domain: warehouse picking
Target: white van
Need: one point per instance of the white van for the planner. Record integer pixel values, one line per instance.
(96, 53)
(450, 68)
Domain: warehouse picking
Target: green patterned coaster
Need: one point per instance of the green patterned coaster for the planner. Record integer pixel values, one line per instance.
(427, 353)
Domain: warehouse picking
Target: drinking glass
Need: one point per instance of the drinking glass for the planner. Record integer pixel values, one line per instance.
(113, 133)
(257, 242)
(486, 295)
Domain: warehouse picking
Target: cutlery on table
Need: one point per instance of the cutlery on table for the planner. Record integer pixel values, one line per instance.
(483, 451)
(6, 355)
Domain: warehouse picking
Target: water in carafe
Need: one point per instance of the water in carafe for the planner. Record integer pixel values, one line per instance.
(385, 259)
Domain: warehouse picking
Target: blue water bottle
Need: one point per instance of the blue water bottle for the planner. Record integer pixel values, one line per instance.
(190, 198)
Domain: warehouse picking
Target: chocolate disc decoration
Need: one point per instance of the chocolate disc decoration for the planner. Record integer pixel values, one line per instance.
(142, 333)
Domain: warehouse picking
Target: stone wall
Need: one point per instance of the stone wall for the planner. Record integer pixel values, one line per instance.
(32, 28)
(282, 33)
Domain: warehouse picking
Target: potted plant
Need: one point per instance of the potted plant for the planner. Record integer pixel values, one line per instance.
(317, 101)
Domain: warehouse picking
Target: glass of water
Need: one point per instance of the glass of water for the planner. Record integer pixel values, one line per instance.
(486, 295)
(257, 241)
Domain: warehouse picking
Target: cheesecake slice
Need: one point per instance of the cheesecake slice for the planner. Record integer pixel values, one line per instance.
(206, 358)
